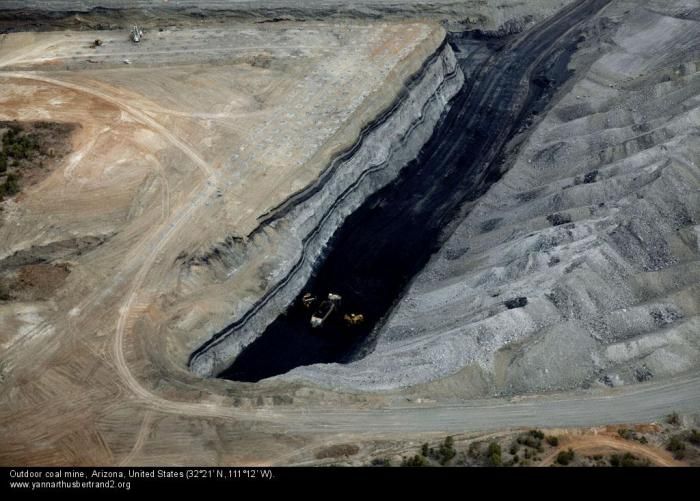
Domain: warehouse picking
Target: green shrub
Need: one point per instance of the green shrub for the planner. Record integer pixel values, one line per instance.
(381, 462)
(676, 446)
(3, 162)
(19, 146)
(447, 450)
(626, 433)
(553, 441)
(11, 185)
(565, 457)
(674, 419)
(425, 450)
(494, 454)
(627, 460)
(694, 437)
(415, 461)
(533, 439)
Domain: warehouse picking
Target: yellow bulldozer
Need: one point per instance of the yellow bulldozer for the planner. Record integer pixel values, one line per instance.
(354, 318)
(326, 308)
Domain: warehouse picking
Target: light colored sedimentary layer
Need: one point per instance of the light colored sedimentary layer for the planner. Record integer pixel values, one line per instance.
(176, 152)
(490, 14)
(384, 150)
(613, 295)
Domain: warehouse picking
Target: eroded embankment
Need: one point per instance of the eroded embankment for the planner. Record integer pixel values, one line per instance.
(580, 267)
(304, 225)
(502, 15)
(381, 246)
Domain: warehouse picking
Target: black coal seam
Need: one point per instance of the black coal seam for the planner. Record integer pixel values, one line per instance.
(232, 327)
(546, 39)
(224, 333)
(216, 338)
(284, 207)
(303, 195)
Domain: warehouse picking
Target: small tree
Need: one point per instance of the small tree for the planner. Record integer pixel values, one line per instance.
(416, 460)
(565, 457)
(538, 434)
(676, 446)
(447, 450)
(11, 185)
(694, 437)
(3, 162)
(626, 433)
(494, 454)
(553, 441)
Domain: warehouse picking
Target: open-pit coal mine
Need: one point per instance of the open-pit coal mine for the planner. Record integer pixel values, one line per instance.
(327, 232)
(389, 238)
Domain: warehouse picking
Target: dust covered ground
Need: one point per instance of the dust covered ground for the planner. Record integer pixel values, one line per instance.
(179, 142)
(579, 268)
(185, 140)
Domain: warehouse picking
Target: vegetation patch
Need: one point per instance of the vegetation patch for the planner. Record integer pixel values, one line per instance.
(338, 451)
(494, 454)
(673, 419)
(27, 152)
(676, 446)
(32, 282)
(628, 460)
(553, 441)
(565, 457)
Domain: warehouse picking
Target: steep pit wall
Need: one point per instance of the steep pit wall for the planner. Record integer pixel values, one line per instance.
(305, 223)
(579, 268)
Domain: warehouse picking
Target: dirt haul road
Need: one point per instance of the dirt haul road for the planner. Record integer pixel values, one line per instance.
(148, 416)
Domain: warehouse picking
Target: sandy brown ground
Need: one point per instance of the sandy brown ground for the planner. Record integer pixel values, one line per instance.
(606, 441)
(96, 375)
(183, 145)
(592, 446)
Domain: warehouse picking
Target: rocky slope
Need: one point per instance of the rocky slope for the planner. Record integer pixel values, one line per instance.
(506, 15)
(306, 221)
(580, 267)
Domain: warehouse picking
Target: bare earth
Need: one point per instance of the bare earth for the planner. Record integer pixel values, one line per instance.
(184, 142)
(252, 112)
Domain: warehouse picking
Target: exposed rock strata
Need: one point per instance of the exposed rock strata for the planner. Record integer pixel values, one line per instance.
(305, 227)
(595, 224)
(493, 15)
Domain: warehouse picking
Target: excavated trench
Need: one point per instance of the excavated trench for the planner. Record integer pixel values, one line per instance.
(382, 245)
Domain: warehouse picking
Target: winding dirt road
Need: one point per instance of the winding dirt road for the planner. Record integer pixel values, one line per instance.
(639, 403)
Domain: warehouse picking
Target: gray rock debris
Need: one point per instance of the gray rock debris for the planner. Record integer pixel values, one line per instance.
(612, 288)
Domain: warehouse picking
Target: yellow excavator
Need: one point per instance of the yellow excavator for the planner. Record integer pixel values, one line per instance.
(326, 308)
(354, 318)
